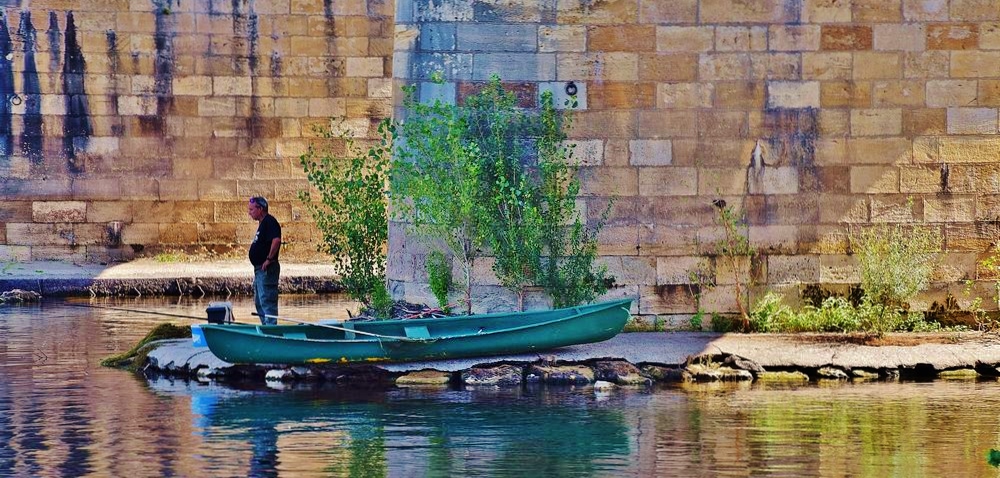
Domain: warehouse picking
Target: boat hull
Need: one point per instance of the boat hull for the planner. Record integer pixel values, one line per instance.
(419, 339)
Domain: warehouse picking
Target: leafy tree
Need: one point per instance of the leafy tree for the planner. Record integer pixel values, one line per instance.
(350, 210)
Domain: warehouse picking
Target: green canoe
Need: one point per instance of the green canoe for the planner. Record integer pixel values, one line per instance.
(416, 339)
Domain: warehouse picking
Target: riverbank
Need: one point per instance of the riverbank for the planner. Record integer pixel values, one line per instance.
(641, 358)
(144, 277)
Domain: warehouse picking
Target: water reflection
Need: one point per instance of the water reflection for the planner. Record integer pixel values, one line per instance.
(61, 414)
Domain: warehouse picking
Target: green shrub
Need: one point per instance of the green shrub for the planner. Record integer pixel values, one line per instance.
(835, 314)
(724, 323)
(896, 263)
(439, 277)
(769, 314)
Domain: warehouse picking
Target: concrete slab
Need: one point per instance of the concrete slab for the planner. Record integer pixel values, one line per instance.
(770, 351)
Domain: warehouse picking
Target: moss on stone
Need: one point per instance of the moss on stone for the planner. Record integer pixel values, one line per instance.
(137, 355)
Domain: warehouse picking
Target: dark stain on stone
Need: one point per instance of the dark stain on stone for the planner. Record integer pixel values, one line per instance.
(163, 65)
(246, 24)
(6, 88)
(55, 47)
(945, 173)
(114, 64)
(791, 136)
(241, 30)
(793, 11)
(31, 136)
(332, 64)
(76, 128)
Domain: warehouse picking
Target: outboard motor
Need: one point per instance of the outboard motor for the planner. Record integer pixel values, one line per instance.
(220, 312)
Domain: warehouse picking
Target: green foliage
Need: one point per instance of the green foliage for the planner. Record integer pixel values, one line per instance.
(737, 254)
(835, 314)
(569, 273)
(439, 277)
(724, 323)
(438, 181)
(381, 304)
(896, 263)
(696, 322)
(487, 176)
(769, 314)
(350, 211)
(135, 358)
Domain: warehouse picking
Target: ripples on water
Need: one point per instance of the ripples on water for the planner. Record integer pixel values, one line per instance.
(61, 414)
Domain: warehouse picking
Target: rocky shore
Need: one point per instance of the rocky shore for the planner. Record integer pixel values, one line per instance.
(638, 359)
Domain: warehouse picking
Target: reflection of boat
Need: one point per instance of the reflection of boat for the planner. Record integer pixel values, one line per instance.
(419, 339)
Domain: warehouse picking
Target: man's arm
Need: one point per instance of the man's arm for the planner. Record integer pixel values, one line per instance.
(272, 254)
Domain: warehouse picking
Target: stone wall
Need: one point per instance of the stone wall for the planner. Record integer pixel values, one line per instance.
(814, 116)
(136, 126)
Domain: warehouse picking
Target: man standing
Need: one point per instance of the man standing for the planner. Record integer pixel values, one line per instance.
(264, 257)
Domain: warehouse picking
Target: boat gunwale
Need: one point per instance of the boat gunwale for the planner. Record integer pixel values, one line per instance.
(246, 330)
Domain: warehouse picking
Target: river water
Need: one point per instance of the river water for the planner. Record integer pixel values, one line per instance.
(62, 414)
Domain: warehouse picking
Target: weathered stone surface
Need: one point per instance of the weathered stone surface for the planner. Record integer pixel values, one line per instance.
(560, 375)
(783, 376)
(620, 373)
(663, 374)
(831, 373)
(424, 377)
(499, 376)
(714, 373)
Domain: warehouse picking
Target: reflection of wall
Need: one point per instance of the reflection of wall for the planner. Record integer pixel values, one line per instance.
(165, 115)
(829, 114)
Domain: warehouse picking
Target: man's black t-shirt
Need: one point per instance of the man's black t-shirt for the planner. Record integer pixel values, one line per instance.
(267, 230)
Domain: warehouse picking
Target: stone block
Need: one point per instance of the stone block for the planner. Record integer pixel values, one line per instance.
(879, 151)
(615, 95)
(972, 121)
(633, 38)
(920, 179)
(650, 152)
(842, 208)
(443, 92)
(775, 66)
(107, 211)
(631, 270)
(794, 38)
(39, 234)
(775, 239)
(946, 93)
(719, 181)
(724, 66)
(954, 209)
(366, 67)
(603, 124)
(561, 99)
(192, 86)
(926, 64)
(562, 38)
(739, 94)
(839, 268)
(799, 269)
(899, 37)
(505, 37)
(773, 180)
(326, 107)
(845, 94)
(437, 36)
(668, 67)
(679, 270)
(606, 181)
(793, 94)
(668, 181)
(925, 10)
(924, 121)
(834, 123)
(216, 106)
(869, 65)
(826, 11)
(740, 38)
(968, 150)
(973, 10)
(663, 13)
(617, 240)
(876, 122)
(874, 179)
(662, 240)
(953, 36)
(684, 95)
(661, 123)
(989, 36)
(975, 64)
(827, 65)
(58, 211)
(106, 189)
(613, 12)
(898, 93)
(684, 39)
(751, 11)
(846, 37)
(987, 93)
(614, 66)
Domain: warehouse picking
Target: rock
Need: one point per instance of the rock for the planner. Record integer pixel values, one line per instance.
(711, 373)
(501, 376)
(783, 376)
(279, 375)
(861, 374)
(831, 373)
(663, 374)
(987, 369)
(958, 374)
(560, 375)
(424, 377)
(737, 362)
(19, 296)
(620, 372)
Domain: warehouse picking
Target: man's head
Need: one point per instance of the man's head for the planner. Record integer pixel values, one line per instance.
(257, 208)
